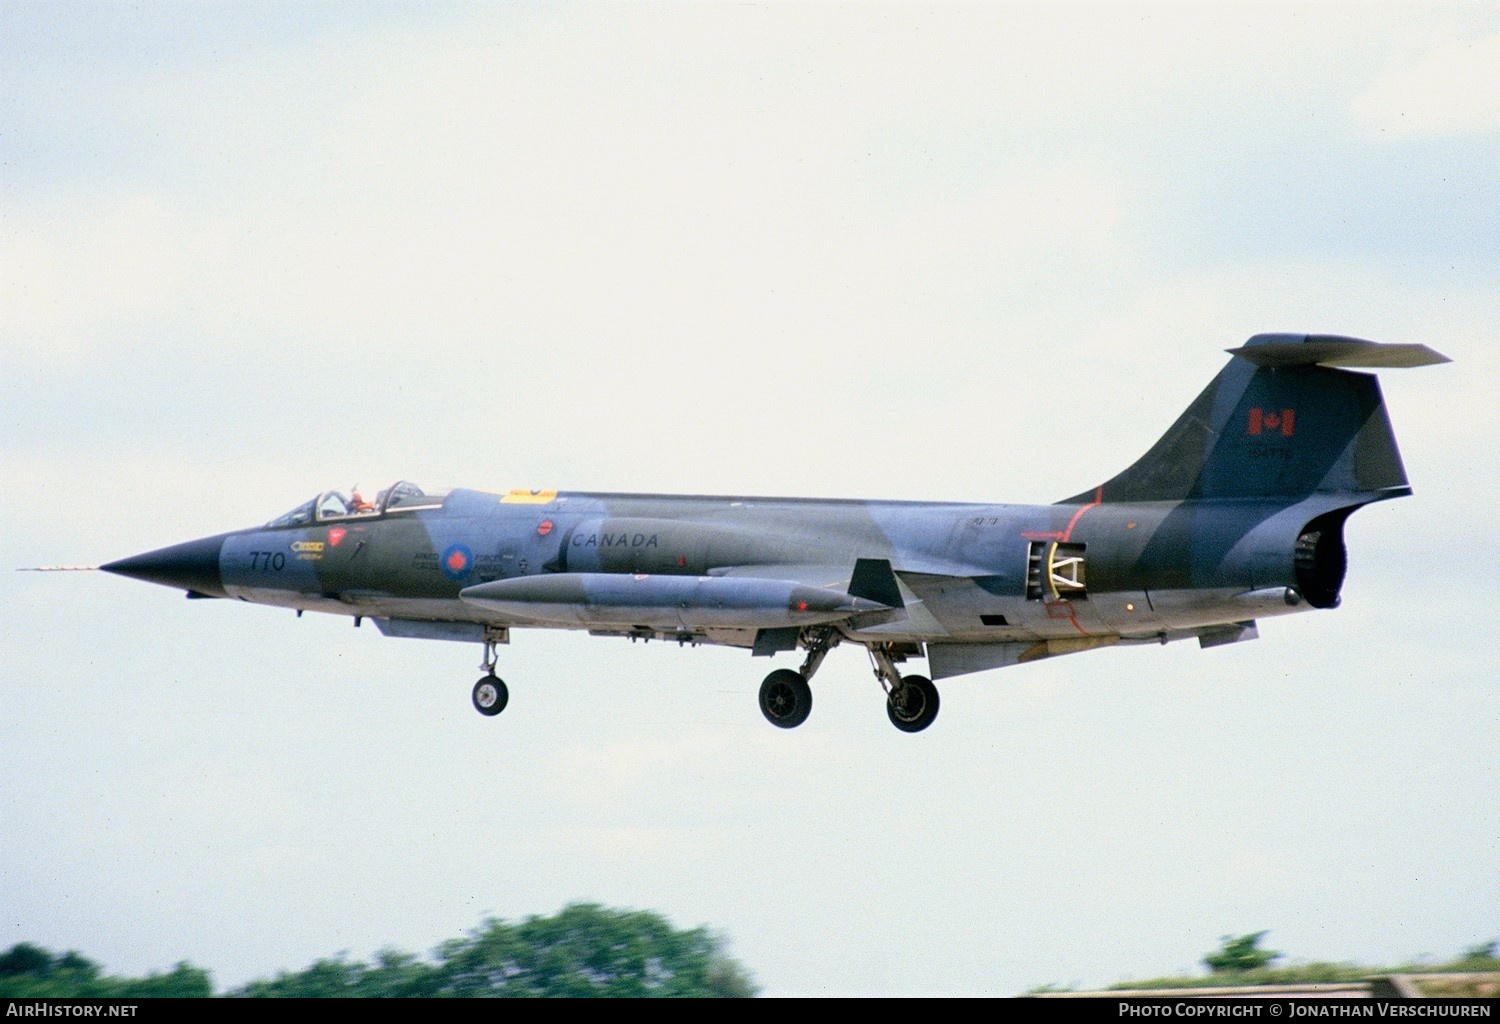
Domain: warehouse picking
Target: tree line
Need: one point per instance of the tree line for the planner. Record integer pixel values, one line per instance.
(584, 950)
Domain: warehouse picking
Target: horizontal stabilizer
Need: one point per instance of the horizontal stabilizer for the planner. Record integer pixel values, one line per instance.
(1335, 351)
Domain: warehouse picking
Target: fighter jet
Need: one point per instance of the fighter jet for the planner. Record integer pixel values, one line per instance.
(1234, 515)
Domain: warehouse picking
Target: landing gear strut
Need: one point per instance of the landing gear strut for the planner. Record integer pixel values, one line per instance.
(911, 701)
(785, 697)
(490, 693)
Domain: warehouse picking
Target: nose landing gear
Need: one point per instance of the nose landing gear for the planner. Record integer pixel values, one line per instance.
(490, 693)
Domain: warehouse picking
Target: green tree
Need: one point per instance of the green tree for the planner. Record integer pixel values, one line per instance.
(182, 982)
(23, 958)
(585, 950)
(31, 972)
(393, 975)
(1239, 953)
(588, 950)
(1483, 957)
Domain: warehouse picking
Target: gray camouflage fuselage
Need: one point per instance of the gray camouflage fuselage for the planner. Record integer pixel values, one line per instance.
(1234, 515)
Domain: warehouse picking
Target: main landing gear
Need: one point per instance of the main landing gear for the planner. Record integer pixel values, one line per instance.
(786, 699)
(911, 701)
(490, 693)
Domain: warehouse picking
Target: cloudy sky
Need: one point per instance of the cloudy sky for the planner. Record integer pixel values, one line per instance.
(251, 251)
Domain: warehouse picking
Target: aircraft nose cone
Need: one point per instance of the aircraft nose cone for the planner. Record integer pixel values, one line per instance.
(193, 566)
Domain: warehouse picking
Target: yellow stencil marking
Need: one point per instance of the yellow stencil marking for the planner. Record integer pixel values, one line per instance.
(528, 498)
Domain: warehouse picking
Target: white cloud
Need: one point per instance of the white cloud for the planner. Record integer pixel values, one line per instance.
(1453, 90)
(77, 272)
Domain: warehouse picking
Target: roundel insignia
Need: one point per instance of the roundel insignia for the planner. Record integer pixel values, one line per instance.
(456, 562)
(544, 527)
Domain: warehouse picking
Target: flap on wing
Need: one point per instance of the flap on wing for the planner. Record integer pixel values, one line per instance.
(960, 659)
(422, 629)
(773, 641)
(873, 581)
(1233, 633)
(809, 574)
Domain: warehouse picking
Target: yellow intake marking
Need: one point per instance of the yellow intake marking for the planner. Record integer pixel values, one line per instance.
(528, 498)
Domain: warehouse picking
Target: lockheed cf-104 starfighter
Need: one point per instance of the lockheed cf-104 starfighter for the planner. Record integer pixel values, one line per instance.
(1236, 514)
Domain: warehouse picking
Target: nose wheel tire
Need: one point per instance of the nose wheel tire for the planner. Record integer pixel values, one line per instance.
(490, 695)
(785, 699)
(913, 705)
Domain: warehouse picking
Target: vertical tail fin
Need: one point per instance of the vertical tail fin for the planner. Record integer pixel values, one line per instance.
(1282, 420)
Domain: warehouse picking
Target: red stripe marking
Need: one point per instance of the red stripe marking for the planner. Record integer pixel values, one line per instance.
(1098, 500)
(1069, 612)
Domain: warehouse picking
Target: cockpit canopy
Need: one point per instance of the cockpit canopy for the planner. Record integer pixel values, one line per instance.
(403, 496)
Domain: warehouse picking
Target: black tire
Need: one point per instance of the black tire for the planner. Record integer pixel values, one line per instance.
(914, 705)
(490, 696)
(785, 699)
